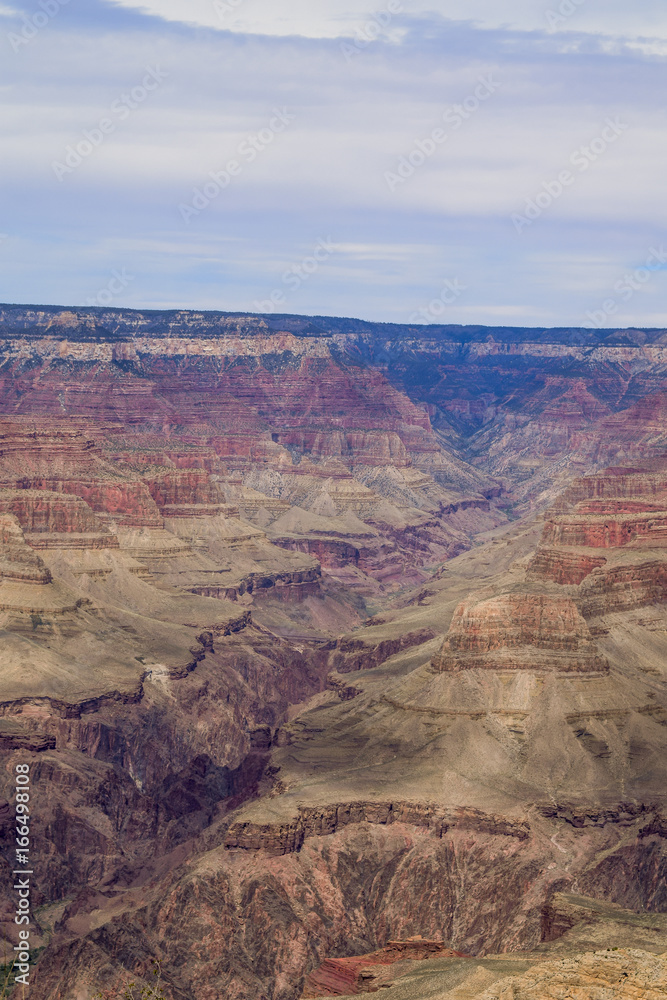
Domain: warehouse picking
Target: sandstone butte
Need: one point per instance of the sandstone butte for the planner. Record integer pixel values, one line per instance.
(338, 652)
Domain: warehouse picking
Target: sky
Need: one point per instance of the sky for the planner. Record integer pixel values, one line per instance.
(453, 161)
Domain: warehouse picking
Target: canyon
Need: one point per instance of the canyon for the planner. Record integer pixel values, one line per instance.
(338, 654)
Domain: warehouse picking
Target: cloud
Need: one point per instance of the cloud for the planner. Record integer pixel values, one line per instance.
(339, 18)
(355, 120)
(325, 19)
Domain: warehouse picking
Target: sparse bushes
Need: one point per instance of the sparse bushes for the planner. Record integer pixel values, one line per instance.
(132, 991)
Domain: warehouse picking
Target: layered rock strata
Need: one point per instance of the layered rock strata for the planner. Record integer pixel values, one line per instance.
(521, 631)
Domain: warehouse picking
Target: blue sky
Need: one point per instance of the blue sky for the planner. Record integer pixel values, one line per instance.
(467, 161)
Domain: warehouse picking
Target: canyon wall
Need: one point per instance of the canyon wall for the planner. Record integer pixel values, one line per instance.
(320, 635)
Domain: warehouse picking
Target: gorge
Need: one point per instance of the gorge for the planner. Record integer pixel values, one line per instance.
(338, 652)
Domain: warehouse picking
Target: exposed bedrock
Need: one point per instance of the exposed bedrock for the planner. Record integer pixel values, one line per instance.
(621, 588)
(53, 513)
(18, 562)
(331, 553)
(352, 654)
(519, 631)
(126, 502)
(350, 976)
(602, 530)
(312, 822)
(265, 926)
(567, 566)
(117, 782)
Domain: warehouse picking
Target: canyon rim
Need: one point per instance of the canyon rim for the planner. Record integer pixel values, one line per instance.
(336, 653)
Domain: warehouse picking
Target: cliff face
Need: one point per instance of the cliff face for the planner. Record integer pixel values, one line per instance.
(238, 771)
(519, 632)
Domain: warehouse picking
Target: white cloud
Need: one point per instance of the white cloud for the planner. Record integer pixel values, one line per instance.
(325, 175)
(339, 18)
(323, 19)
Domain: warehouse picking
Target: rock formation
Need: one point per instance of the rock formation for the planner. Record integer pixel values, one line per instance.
(519, 631)
(338, 654)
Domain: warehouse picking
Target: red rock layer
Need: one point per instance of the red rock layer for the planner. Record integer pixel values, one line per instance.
(564, 566)
(41, 511)
(621, 588)
(602, 531)
(127, 502)
(184, 488)
(58, 448)
(520, 631)
(345, 976)
(615, 483)
(286, 838)
(621, 509)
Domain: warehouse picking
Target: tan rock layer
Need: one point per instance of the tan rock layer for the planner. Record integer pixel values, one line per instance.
(618, 974)
(18, 562)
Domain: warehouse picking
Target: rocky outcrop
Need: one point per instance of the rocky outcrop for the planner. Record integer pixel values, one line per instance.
(591, 528)
(52, 513)
(18, 562)
(331, 553)
(567, 566)
(351, 976)
(623, 814)
(188, 493)
(520, 631)
(313, 822)
(614, 483)
(605, 975)
(621, 588)
(352, 654)
(286, 586)
(13, 736)
(126, 502)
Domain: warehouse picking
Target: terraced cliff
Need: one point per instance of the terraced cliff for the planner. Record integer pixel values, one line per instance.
(322, 637)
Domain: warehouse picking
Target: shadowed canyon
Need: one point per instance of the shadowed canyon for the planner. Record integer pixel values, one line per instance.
(338, 652)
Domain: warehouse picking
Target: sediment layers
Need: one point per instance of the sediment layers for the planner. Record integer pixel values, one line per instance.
(313, 822)
(519, 632)
(280, 502)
